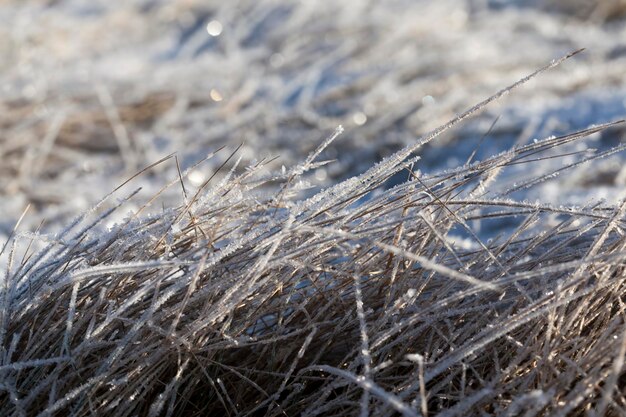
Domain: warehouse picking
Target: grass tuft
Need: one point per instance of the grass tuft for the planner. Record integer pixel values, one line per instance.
(350, 302)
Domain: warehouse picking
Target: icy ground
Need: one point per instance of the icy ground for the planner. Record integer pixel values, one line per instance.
(94, 90)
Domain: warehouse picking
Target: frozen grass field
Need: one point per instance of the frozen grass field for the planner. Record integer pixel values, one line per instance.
(303, 208)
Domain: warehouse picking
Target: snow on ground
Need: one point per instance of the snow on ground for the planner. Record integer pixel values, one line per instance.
(94, 90)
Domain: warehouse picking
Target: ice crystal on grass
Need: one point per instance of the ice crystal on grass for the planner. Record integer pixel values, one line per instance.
(242, 303)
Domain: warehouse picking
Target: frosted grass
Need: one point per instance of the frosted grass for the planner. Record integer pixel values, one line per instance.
(243, 303)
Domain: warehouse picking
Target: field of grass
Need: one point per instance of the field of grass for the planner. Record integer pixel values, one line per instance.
(267, 208)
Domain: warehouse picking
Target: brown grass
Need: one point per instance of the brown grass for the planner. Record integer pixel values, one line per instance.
(238, 303)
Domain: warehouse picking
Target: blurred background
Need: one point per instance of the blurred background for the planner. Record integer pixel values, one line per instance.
(91, 91)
